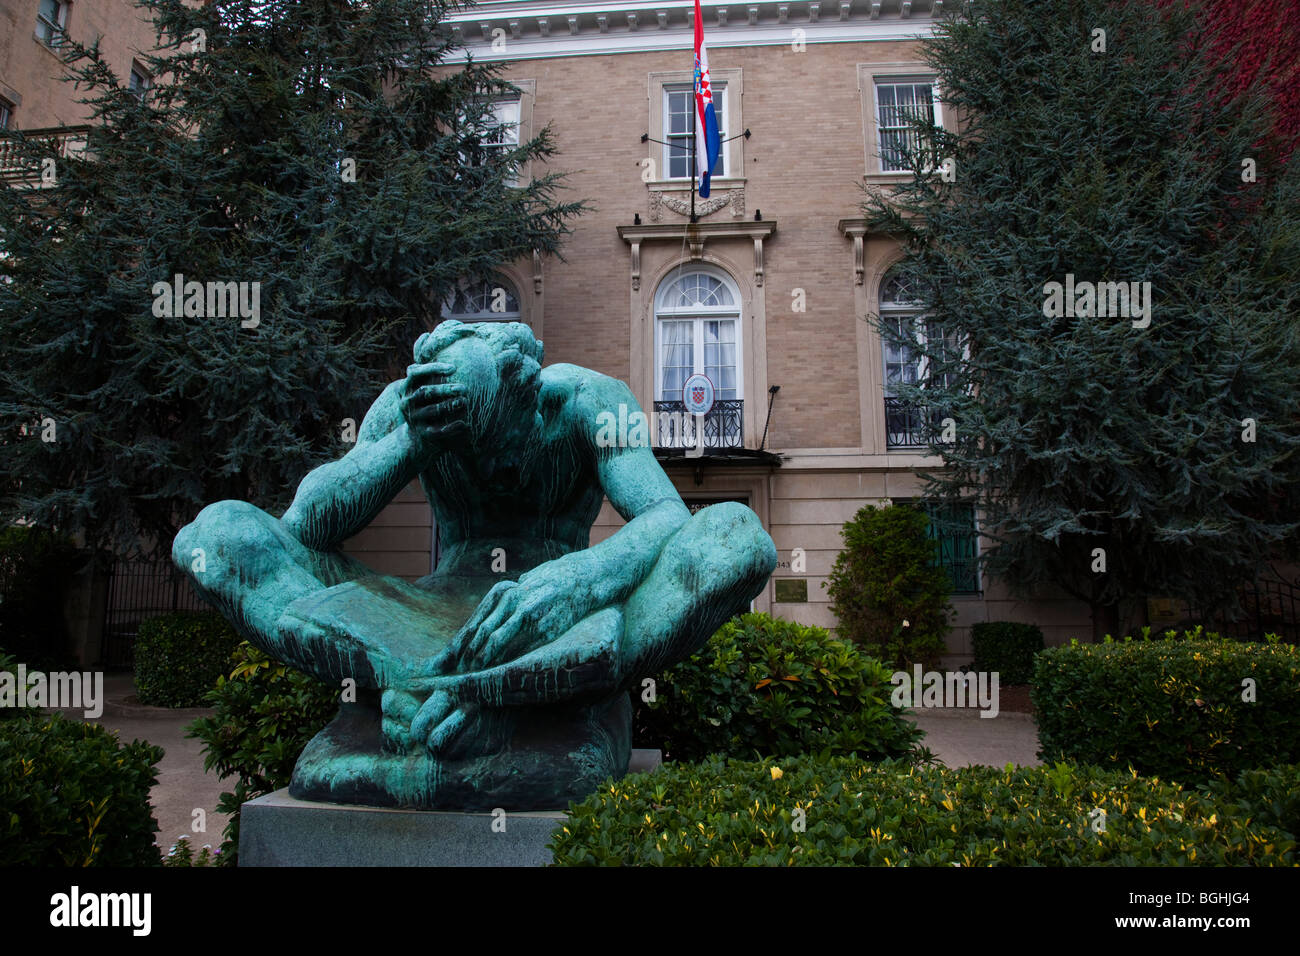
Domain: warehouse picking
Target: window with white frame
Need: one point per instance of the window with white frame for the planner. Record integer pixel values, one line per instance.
(899, 312)
(491, 299)
(679, 109)
(894, 96)
(668, 128)
(138, 81)
(900, 104)
(499, 133)
(52, 22)
(503, 131)
(697, 331)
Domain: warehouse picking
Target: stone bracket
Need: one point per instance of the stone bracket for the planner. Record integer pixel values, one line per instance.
(856, 229)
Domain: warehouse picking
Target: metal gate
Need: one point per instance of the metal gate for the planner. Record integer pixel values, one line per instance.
(138, 590)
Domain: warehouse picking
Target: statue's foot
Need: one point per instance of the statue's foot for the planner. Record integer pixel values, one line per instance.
(541, 758)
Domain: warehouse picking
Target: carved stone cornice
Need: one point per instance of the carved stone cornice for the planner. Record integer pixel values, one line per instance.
(537, 28)
(695, 235)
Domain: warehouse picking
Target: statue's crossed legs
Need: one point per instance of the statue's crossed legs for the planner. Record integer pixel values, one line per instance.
(559, 710)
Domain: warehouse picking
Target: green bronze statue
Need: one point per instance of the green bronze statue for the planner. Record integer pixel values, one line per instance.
(502, 678)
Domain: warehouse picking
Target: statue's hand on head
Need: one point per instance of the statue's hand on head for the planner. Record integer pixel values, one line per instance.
(434, 407)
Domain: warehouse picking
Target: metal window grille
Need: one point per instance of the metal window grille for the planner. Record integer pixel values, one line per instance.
(898, 106)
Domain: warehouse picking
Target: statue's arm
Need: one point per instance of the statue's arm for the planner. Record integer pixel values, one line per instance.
(339, 498)
(636, 487)
(644, 496)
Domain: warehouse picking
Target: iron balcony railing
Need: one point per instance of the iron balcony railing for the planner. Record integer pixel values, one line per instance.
(674, 427)
(17, 162)
(909, 425)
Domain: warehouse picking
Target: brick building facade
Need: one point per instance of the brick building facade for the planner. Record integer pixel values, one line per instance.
(770, 288)
(768, 291)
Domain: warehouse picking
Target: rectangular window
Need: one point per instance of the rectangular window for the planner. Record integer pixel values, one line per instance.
(501, 128)
(902, 364)
(6, 114)
(52, 22)
(503, 134)
(899, 104)
(138, 81)
(679, 107)
(690, 346)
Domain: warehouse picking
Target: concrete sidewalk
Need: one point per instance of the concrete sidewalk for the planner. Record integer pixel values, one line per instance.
(182, 785)
(959, 737)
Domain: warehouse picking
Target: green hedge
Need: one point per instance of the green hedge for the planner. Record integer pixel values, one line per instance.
(738, 813)
(179, 656)
(266, 712)
(1006, 647)
(763, 686)
(36, 567)
(1172, 708)
(71, 795)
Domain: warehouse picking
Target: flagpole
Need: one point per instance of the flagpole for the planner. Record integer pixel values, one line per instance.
(695, 108)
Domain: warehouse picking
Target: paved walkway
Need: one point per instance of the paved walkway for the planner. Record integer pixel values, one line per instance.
(182, 785)
(957, 738)
(960, 738)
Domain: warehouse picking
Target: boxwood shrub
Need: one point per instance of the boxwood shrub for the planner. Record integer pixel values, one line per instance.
(266, 712)
(888, 573)
(1006, 647)
(1177, 708)
(807, 811)
(72, 795)
(179, 656)
(763, 686)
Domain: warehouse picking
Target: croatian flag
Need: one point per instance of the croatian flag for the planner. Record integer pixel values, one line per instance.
(708, 143)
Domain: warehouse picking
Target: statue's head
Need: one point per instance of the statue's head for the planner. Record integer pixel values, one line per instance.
(498, 362)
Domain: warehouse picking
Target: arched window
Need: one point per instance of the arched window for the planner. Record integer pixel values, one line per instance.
(697, 331)
(899, 312)
(492, 299)
(912, 344)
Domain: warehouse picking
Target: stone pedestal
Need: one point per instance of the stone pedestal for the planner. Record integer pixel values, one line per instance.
(279, 830)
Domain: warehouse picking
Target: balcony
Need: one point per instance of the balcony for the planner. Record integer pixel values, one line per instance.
(674, 427)
(908, 425)
(18, 163)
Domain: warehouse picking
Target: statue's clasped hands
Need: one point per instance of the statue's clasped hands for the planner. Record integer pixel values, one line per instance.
(513, 619)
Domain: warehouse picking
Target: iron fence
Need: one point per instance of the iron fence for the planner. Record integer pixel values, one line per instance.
(138, 590)
(908, 425)
(1265, 606)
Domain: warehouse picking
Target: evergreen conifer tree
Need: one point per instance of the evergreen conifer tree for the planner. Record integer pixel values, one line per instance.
(1114, 454)
(324, 150)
